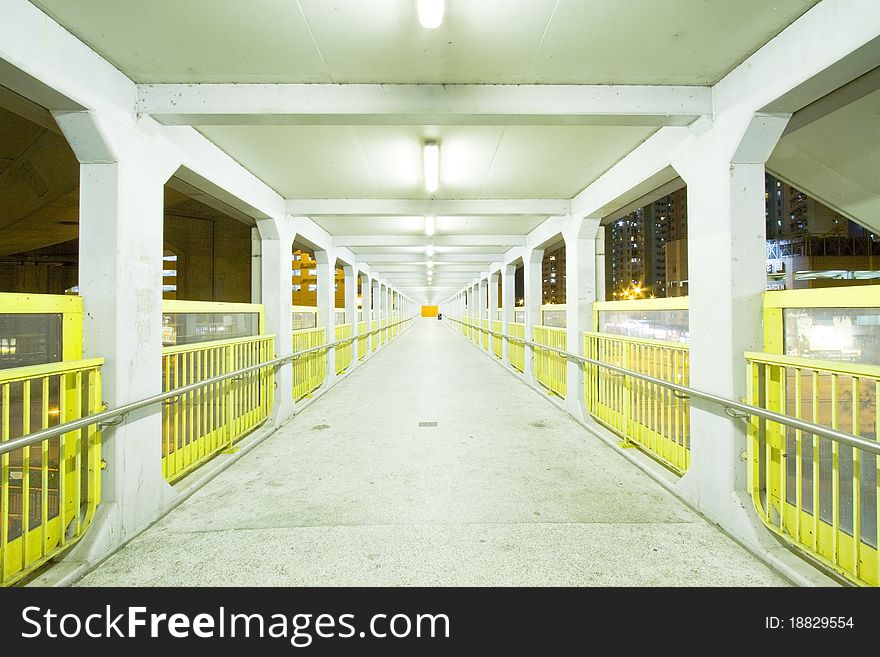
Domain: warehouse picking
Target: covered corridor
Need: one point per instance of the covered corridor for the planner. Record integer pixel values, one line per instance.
(506, 489)
(652, 231)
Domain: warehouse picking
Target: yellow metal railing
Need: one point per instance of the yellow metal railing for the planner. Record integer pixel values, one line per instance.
(550, 367)
(343, 351)
(484, 334)
(819, 495)
(363, 327)
(200, 424)
(516, 352)
(309, 371)
(48, 492)
(496, 339)
(376, 336)
(645, 414)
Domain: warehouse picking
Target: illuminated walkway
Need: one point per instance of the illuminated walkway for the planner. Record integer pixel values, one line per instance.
(505, 490)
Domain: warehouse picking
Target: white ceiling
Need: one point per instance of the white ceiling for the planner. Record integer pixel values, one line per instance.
(385, 161)
(680, 42)
(492, 41)
(837, 159)
(483, 225)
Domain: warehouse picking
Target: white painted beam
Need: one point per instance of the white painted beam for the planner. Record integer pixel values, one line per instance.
(423, 104)
(370, 207)
(378, 259)
(352, 241)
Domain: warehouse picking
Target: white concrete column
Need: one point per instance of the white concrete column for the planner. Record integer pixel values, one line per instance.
(386, 311)
(508, 293)
(377, 308)
(276, 249)
(726, 258)
(120, 279)
(351, 310)
(367, 308)
(493, 306)
(580, 293)
(533, 297)
(483, 289)
(327, 305)
(476, 305)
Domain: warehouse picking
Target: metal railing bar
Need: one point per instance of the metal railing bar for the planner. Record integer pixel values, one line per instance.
(103, 417)
(728, 405)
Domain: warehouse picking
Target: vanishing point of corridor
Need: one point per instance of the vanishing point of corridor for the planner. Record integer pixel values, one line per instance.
(500, 488)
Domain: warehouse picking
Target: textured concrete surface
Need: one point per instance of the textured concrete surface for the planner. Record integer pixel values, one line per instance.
(505, 490)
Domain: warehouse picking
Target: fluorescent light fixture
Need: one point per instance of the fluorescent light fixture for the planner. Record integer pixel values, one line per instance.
(429, 250)
(431, 165)
(431, 13)
(430, 265)
(430, 225)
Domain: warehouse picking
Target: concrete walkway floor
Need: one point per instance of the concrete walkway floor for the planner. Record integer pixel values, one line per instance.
(505, 490)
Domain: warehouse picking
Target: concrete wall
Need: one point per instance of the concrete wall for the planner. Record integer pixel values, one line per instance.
(50, 270)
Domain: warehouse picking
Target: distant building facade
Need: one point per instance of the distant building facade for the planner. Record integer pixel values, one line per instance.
(304, 280)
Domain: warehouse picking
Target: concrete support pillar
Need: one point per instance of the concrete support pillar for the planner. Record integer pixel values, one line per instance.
(533, 298)
(377, 309)
(327, 305)
(351, 310)
(367, 308)
(276, 254)
(580, 293)
(508, 300)
(726, 257)
(120, 278)
(493, 305)
(483, 289)
(386, 310)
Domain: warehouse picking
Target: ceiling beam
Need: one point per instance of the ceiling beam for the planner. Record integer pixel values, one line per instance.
(423, 240)
(423, 104)
(372, 207)
(378, 259)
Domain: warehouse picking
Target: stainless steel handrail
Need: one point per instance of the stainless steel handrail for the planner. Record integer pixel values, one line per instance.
(103, 417)
(728, 405)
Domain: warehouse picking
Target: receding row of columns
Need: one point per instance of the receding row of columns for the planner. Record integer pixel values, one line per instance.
(724, 173)
(123, 173)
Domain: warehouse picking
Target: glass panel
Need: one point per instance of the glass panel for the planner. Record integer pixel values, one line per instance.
(844, 334)
(555, 318)
(190, 328)
(304, 320)
(669, 325)
(519, 316)
(29, 339)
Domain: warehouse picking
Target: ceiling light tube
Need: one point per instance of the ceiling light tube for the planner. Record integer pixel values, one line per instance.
(431, 13)
(430, 225)
(429, 250)
(430, 265)
(431, 165)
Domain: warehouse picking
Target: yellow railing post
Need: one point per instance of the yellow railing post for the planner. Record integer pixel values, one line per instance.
(208, 421)
(48, 492)
(625, 391)
(229, 396)
(809, 490)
